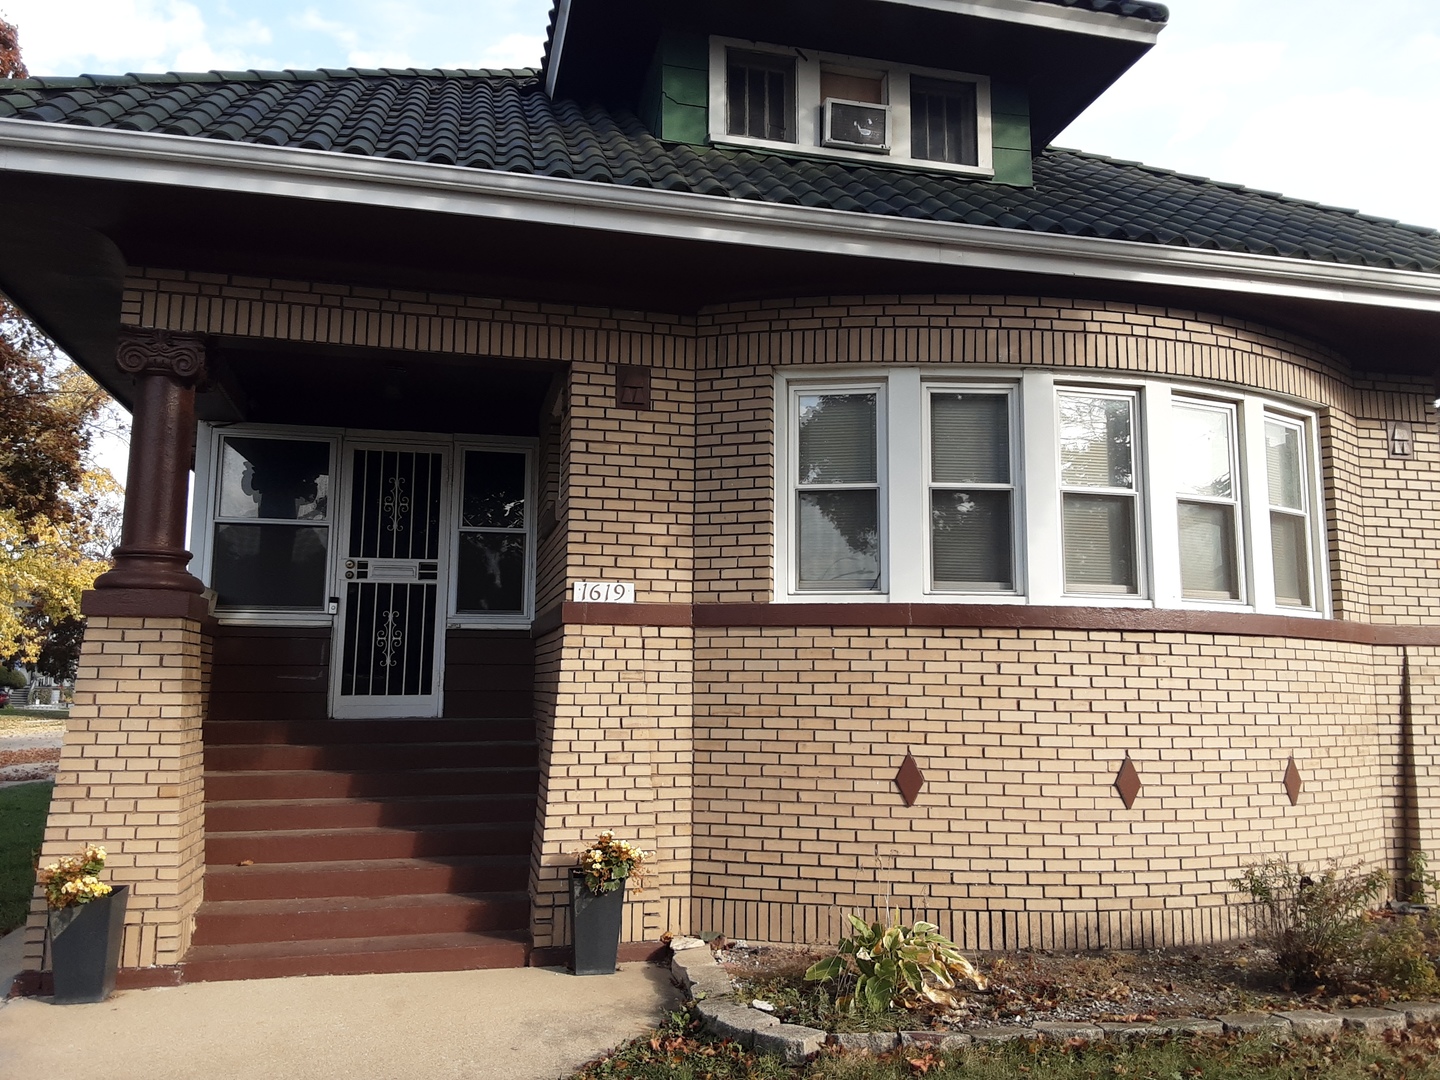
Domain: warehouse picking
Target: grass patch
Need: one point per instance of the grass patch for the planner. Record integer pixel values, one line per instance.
(34, 714)
(22, 825)
(679, 1051)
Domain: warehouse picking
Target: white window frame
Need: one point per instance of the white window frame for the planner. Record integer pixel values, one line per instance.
(1140, 515)
(205, 513)
(903, 458)
(1312, 496)
(809, 115)
(786, 521)
(1010, 391)
(1236, 502)
(499, 620)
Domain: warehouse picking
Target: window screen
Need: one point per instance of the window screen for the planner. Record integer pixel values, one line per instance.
(760, 96)
(837, 501)
(971, 495)
(943, 124)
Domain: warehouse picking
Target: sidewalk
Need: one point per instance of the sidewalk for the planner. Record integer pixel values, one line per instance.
(521, 1024)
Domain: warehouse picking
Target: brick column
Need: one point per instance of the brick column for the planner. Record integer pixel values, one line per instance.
(131, 769)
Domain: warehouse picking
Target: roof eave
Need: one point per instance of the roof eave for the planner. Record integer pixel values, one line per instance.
(142, 157)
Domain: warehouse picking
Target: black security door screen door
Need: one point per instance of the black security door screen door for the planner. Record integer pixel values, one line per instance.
(388, 633)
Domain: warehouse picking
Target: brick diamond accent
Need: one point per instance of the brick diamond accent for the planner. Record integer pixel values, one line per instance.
(1293, 783)
(1127, 782)
(909, 779)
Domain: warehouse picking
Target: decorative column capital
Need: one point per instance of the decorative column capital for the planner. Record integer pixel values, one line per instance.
(172, 353)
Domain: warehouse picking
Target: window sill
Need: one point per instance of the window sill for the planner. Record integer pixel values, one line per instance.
(855, 157)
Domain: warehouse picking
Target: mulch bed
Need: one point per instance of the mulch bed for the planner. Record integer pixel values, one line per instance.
(1129, 987)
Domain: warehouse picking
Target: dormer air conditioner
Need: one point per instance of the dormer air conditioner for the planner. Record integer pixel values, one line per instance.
(857, 125)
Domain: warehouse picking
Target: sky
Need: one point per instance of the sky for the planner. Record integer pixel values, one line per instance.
(1330, 100)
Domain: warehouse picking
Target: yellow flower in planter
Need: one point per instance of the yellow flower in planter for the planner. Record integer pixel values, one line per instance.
(75, 879)
(608, 863)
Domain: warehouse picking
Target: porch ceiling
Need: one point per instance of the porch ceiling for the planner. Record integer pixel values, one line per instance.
(65, 266)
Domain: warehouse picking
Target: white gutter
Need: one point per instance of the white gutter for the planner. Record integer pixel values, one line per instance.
(210, 164)
(1046, 16)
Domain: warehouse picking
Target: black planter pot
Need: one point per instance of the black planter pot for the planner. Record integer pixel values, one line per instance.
(595, 926)
(85, 948)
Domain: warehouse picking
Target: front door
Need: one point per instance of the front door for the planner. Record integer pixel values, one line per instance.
(389, 629)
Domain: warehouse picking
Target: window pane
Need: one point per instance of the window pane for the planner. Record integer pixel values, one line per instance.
(1207, 551)
(1203, 457)
(1095, 442)
(839, 539)
(270, 566)
(760, 96)
(1291, 549)
(282, 479)
(970, 439)
(970, 539)
(1100, 543)
(491, 572)
(943, 122)
(837, 439)
(1282, 461)
(494, 494)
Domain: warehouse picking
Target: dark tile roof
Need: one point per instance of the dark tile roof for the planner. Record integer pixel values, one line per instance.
(504, 121)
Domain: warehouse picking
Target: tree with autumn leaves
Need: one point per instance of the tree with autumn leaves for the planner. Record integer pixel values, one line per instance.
(57, 517)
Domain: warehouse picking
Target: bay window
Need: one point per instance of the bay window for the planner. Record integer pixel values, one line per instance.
(917, 485)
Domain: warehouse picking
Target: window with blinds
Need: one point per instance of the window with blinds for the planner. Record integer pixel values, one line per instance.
(760, 95)
(837, 497)
(943, 121)
(1098, 495)
(1208, 503)
(971, 492)
(1289, 510)
(914, 483)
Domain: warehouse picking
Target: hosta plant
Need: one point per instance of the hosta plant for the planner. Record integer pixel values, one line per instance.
(906, 967)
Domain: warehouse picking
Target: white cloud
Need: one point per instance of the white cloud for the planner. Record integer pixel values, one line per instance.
(103, 35)
(513, 50)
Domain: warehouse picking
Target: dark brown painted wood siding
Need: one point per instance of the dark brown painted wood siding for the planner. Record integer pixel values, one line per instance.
(489, 673)
(282, 673)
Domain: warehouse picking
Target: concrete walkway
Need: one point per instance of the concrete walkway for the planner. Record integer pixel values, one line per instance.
(526, 1024)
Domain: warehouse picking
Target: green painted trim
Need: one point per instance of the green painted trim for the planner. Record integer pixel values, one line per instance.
(1010, 132)
(1009, 98)
(685, 123)
(1014, 167)
(675, 100)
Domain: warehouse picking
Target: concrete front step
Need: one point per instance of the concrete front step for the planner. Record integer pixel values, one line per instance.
(356, 956)
(349, 732)
(368, 877)
(363, 757)
(306, 784)
(254, 815)
(242, 922)
(336, 845)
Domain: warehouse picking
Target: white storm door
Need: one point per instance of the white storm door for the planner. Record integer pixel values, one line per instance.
(388, 651)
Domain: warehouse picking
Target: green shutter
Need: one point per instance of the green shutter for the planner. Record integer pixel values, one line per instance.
(675, 103)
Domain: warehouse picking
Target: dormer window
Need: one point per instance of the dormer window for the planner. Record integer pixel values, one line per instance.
(760, 96)
(942, 121)
(791, 99)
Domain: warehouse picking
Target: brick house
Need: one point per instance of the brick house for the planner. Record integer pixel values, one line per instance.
(743, 433)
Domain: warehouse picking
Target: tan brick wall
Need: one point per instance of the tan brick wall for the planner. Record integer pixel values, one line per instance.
(131, 779)
(1019, 830)
(796, 733)
(615, 753)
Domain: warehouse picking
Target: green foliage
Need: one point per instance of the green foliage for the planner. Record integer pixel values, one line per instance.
(22, 826)
(1424, 882)
(1396, 955)
(10, 679)
(907, 967)
(1315, 923)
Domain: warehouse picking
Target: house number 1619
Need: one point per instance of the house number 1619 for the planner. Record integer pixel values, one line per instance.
(603, 592)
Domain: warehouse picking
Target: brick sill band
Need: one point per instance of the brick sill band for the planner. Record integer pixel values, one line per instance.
(981, 617)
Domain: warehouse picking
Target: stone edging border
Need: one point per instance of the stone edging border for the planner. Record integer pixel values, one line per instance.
(698, 973)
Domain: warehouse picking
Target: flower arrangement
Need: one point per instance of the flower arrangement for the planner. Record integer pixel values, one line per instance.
(608, 862)
(75, 879)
